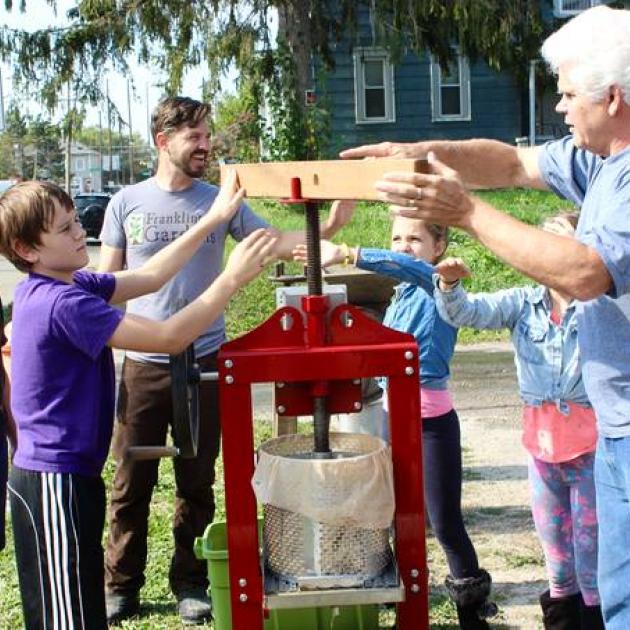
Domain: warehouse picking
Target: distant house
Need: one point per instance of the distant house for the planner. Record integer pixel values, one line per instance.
(85, 168)
(375, 99)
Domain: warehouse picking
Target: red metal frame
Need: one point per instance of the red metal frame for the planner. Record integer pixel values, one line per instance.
(316, 357)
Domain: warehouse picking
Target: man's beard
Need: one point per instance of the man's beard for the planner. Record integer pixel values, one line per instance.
(186, 167)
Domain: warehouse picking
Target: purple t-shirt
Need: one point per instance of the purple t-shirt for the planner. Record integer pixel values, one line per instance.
(62, 372)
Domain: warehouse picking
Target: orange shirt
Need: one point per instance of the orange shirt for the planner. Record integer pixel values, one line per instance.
(553, 437)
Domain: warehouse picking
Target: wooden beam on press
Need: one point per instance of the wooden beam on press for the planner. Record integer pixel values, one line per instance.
(325, 179)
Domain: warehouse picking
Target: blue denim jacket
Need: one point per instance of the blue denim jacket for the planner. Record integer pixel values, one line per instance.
(547, 357)
(412, 310)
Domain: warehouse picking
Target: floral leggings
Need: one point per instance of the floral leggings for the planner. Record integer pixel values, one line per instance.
(563, 507)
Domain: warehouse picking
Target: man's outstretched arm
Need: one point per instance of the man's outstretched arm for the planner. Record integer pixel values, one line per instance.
(480, 163)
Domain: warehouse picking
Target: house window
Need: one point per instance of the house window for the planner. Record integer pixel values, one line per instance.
(79, 164)
(567, 8)
(373, 86)
(450, 89)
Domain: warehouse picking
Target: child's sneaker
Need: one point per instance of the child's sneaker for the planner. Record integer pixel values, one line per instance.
(121, 606)
(194, 606)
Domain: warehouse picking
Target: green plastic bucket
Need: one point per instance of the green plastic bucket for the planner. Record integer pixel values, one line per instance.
(212, 546)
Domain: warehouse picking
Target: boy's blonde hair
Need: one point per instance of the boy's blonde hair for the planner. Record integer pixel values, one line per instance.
(26, 211)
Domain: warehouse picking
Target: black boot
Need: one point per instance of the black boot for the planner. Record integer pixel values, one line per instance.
(590, 617)
(471, 599)
(561, 613)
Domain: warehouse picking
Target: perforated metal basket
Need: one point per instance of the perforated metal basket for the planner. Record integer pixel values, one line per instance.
(316, 555)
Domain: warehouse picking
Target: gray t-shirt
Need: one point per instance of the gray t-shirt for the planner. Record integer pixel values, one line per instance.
(602, 189)
(142, 219)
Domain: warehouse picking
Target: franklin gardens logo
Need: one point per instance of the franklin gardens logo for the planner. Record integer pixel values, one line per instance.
(135, 229)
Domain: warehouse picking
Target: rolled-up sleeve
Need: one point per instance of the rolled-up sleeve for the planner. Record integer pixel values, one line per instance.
(567, 170)
(480, 310)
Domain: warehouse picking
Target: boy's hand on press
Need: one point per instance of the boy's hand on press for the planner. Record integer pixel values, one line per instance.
(330, 253)
(341, 213)
(251, 256)
(451, 270)
(228, 200)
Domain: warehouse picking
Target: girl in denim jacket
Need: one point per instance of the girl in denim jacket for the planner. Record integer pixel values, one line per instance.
(415, 248)
(559, 429)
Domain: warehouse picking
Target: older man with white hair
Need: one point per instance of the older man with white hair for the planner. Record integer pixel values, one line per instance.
(591, 167)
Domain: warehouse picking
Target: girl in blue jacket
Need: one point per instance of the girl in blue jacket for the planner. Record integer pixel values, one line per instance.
(415, 248)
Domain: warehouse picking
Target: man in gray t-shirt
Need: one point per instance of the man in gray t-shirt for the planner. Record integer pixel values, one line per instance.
(139, 221)
(142, 219)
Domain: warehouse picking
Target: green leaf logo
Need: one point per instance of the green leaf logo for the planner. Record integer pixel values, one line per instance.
(135, 229)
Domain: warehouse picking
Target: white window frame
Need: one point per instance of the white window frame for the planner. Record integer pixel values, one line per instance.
(79, 164)
(370, 54)
(560, 12)
(464, 91)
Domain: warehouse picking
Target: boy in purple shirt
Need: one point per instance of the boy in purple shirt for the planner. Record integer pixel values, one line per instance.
(63, 383)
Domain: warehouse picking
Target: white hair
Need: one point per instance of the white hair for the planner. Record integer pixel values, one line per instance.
(595, 47)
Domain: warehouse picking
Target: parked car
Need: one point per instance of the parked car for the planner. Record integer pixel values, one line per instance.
(91, 210)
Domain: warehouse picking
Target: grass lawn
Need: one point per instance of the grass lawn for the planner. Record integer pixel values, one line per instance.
(370, 227)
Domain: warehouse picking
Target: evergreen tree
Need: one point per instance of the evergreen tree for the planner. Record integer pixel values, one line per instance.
(175, 34)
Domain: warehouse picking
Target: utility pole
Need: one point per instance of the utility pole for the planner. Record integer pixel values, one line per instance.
(148, 116)
(1, 100)
(130, 134)
(532, 103)
(100, 148)
(109, 133)
(35, 156)
(120, 172)
(68, 160)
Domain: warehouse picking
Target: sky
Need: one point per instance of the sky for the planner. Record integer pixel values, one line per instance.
(39, 15)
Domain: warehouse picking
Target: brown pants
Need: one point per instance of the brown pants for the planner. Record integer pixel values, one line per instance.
(144, 415)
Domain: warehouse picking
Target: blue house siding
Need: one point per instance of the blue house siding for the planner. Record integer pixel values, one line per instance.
(499, 109)
(495, 101)
(495, 105)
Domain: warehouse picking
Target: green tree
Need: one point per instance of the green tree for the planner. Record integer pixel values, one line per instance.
(7, 160)
(34, 145)
(175, 34)
(45, 159)
(236, 129)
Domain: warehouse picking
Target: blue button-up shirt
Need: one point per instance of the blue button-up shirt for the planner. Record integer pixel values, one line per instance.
(412, 310)
(602, 189)
(547, 356)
